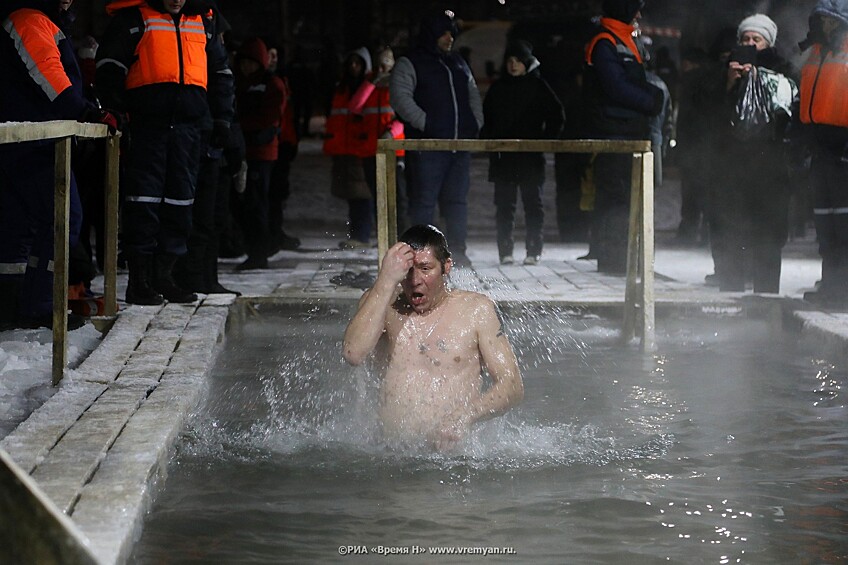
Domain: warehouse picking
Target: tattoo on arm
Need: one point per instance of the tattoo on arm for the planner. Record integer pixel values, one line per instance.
(500, 321)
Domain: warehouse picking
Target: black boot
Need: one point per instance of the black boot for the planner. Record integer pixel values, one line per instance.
(211, 278)
(163, 280)
(139, 290)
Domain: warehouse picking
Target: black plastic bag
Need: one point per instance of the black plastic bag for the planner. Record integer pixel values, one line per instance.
(752, 115)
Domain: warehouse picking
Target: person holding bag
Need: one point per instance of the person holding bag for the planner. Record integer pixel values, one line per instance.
(753, 189)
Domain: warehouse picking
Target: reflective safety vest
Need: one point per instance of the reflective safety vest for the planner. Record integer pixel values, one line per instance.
(340, 130)
(356, 122)
(168, 53)
(824, 87)
(379, 119)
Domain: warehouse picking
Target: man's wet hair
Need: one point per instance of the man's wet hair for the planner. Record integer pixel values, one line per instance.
(424, 235)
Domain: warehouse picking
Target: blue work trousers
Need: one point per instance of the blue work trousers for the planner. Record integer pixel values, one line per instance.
(27, 187)
(159, 186)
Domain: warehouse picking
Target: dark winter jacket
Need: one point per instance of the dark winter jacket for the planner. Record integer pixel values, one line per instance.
(168, 102)
(434, 93)
(259, 100)
(768, 59)
(522, 107)
(618, 97)
(736, 157)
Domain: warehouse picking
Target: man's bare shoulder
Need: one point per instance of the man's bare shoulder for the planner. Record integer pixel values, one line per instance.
(469, 301)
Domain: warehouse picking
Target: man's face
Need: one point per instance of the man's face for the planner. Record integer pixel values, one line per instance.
(445, 41)
(65, 5)
(174, 6)
(425, 285)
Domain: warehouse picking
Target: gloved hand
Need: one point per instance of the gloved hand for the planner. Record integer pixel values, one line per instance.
(220, 134)
(113, 120)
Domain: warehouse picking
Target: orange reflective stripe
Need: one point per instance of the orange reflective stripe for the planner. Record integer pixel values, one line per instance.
(160, 51)
(36, 40)
(824, 88)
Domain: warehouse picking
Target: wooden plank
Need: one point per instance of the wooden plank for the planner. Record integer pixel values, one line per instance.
(17, 132)
(382, 208)
(61, 211)
(647, 256)
(518, 145)
(110, 260)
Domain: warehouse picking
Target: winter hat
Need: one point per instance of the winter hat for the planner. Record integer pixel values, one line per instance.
(759, 23)
(434, 26)
(837, 10)
(622, 10)
(255, 50)
(363, 53)
(521, 50)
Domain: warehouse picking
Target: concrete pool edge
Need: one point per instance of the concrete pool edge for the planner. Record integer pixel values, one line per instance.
(100, 446)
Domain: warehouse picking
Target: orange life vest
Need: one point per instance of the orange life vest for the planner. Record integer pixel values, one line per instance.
(824, 87)
(164, 55)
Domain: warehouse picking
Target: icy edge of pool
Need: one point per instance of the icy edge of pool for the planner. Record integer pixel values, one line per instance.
(98, 447)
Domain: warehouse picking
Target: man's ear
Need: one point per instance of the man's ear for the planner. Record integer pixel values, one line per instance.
(448, 265)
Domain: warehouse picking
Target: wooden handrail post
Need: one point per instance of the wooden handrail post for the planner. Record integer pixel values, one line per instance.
(110, 259)
(391, 196)
(646, 266)
(382, 207)
(631, 291)
(61, 211)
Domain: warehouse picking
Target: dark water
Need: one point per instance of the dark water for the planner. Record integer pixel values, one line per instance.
(727, 445)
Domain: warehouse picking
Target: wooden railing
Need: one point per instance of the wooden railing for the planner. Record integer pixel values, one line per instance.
(63, 132)
(639, 290)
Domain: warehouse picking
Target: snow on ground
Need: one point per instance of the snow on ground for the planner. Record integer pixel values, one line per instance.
(26, 358)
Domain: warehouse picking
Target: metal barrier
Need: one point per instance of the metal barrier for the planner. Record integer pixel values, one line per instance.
(62, 132)
(639, 291)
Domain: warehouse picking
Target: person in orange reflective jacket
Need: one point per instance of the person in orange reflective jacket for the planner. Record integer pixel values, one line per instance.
(41, 81)
(353, 176)
(164, 64)
(824, 111)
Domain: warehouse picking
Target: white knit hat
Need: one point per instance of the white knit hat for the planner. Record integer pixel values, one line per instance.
(761, 24)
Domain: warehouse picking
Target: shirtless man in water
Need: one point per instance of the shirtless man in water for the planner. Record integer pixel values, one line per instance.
(432, 343)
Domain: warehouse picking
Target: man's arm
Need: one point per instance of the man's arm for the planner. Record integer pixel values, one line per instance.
(115, 56)
(402, 83)
(507, 388)
(367, 326)
(475, 101)
(499, 360)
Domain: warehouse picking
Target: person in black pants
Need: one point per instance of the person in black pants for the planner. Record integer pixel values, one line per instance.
(752, 192)
(521, 105)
